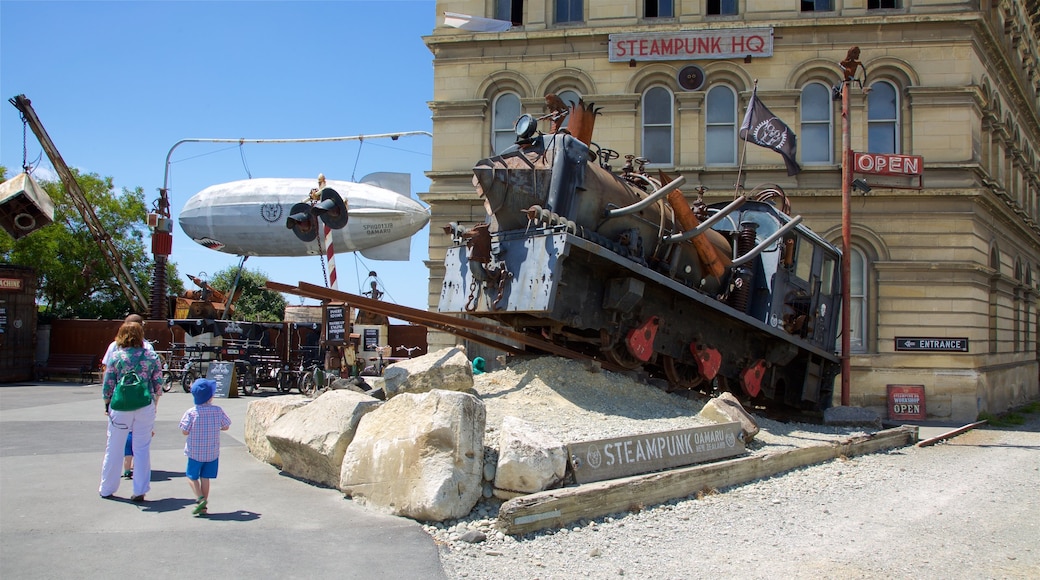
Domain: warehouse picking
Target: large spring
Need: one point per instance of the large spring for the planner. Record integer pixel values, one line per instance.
(740, 287)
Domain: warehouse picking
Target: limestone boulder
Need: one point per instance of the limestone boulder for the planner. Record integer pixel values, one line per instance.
(419, 455)
(312, 439)
(726, 408)
(529, 459)
(448, 369)
(260, 415)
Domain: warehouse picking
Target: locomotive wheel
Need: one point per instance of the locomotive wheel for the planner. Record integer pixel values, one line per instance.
(620, 356)
(681, 376)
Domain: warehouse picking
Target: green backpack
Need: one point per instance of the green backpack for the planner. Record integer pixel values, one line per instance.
(131, 393)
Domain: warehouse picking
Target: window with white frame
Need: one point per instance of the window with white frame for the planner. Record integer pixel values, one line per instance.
(658, 8)
(657, 125)
(720, 143)
(883, 118)
(817, 134)
(505, 111)
(570, 11)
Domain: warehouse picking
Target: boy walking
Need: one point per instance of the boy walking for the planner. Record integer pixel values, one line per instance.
(203, 424)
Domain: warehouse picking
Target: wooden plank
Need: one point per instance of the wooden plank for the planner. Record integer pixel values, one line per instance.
(949, 434)
(559, 507)
(623, 456)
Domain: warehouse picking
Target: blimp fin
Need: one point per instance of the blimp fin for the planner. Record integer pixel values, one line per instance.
(398, 250)
(400, 183)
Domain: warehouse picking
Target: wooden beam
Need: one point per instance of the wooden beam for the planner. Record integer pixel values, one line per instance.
(558, 507)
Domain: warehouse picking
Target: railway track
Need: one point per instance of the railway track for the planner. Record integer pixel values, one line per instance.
(488, 334)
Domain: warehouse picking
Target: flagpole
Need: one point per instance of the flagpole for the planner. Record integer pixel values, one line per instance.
(743, 152)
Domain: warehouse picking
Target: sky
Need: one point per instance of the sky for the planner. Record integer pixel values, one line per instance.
(118, 84)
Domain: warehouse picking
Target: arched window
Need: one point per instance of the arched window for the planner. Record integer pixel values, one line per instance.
(817, 129)
(505, 111)
(720, 147)
(657, 125)
(569, 97)
(857, 300)
(883, 118)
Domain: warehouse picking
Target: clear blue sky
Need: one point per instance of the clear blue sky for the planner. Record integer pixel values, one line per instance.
(117, 84)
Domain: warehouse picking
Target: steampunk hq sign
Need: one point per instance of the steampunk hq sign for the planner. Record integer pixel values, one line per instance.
(691, 44)
(623, 456)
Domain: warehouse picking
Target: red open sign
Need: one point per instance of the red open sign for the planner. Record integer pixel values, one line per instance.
(906, 403)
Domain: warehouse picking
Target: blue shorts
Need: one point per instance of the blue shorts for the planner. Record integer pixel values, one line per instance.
(203, 469)
(128, 449)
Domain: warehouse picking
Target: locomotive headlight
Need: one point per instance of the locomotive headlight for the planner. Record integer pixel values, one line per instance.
(526, 126)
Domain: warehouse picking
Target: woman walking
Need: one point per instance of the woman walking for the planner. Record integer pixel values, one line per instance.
(131, 370)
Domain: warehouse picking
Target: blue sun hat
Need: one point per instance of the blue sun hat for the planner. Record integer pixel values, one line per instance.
(202, 390)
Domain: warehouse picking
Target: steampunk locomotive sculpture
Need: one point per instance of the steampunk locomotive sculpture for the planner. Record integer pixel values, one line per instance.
(621, 267)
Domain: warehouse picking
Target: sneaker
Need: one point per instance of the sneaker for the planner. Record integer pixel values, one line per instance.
(201, 513)
(137, 499)
(201, 507)
(128, 474)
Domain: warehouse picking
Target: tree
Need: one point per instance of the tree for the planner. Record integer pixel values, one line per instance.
(257, 303)
(74, 278)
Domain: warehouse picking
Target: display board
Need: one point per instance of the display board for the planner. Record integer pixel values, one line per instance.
(223, 372)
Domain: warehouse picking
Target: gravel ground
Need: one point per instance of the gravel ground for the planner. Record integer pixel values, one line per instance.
(967, 508)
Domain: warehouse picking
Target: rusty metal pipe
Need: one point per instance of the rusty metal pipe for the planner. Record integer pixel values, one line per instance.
(647, 201)
(768, 241)
(706, 224)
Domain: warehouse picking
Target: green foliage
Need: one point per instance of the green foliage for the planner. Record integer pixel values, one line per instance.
(1012, 418)
(256, 303)
(75, 281)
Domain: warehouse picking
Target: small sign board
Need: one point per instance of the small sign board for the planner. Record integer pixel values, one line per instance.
(223, 372)
(635, 454)
(335, 324)
(906, 403)
(931, 344)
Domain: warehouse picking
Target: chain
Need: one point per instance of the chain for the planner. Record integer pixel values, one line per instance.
(25, 151)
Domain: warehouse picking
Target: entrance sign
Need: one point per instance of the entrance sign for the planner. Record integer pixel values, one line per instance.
(691, 44)
(623, 456)
(932, 344)
(906, 403)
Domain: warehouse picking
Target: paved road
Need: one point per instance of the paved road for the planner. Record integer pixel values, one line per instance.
(262, 524)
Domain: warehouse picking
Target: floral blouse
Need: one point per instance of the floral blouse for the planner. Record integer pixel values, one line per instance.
(145, 361)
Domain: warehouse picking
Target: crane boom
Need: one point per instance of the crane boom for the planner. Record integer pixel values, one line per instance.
(138, 301)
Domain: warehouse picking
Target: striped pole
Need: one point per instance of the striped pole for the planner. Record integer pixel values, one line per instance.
(330, 257)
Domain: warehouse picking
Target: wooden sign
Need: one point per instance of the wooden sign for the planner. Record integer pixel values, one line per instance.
(223, 372)
(635, 454)
(906, 403)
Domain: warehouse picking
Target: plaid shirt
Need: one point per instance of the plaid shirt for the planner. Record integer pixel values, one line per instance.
(203, 424)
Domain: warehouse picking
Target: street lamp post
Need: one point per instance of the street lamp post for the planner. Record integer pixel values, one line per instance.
(848, 67)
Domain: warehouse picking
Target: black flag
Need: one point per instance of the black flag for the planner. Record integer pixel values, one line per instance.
(764, 129)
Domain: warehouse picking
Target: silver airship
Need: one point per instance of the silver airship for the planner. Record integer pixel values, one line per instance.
(274, 216)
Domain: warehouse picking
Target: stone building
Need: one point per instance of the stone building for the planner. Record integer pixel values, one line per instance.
(955, 82)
